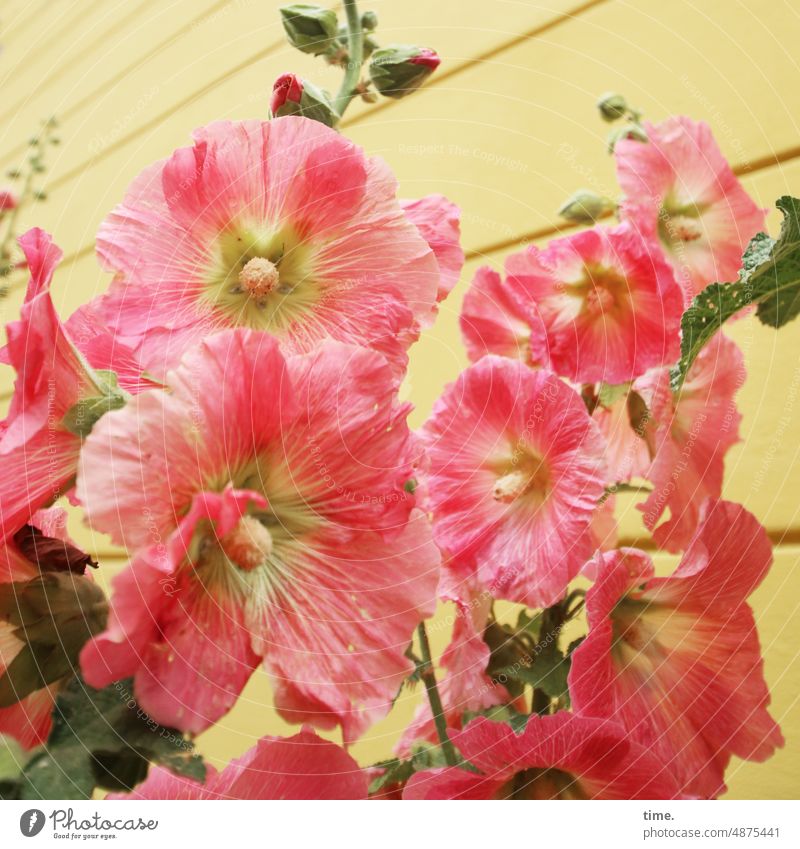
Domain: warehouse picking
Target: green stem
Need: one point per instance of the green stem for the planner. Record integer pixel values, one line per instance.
(355, 58)
(428, 676)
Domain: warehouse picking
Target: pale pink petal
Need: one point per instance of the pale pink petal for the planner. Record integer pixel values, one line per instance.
(680, 189)
(608, 300)
(676, 660)
(438, 221)
(562, 756)
(516, 473)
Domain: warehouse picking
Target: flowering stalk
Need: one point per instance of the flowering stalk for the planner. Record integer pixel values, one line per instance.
(35, 166)
(428, 675)
(355, 49)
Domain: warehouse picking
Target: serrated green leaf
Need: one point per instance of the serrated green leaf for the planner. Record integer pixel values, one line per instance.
(101, 738)
(770, 278)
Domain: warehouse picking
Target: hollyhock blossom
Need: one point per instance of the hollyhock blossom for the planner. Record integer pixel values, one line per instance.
(676, 660)
(561, 756)
(516, 472)
(48, 608)
(609, 302)
(300, 767)
(499, 317)
(57, 394)
(693, 430)
(266, 500)
(680, 189)
(282, 226)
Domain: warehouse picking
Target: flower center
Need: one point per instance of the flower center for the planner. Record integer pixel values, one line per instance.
(264, 278)
(529, 476)
(259, 277)
(605, 290)
(542, 784)
(679, 223)
(248, 545)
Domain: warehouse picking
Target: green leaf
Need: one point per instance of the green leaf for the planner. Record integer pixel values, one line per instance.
(500, 713)
(12, 759)
(396, 772)
(530, 624)
(770, 278)
(101, 738)
(548, 673)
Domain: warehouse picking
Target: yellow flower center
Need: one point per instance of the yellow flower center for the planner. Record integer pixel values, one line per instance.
(528, 476)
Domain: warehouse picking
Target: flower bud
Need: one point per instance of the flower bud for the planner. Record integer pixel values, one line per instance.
(629, 131)
(584, 207)
(369, 21)
(612, 106)
(399, 69)
(8, 200)
(310, 29)
(294, 96)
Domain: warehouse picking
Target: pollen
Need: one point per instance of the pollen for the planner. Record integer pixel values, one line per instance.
(527, 477)
(248, 545)
(259, 277)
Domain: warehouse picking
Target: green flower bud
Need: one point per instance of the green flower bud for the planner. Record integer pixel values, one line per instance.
(293, 96)
(311, 29)
(369, 20)
(629, 131)
(612, 106)
(399, 69)
(584, 207)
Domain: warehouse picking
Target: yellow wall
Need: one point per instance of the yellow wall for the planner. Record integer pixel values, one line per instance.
(506, 128)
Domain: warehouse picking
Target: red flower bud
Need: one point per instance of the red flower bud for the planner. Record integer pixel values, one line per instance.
(286, 87)
(8, 200)
(427, 57)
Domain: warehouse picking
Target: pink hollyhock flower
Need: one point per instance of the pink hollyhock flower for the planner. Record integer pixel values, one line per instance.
(680, 189)
(8, 199)
(676, 660)
(516, 472)
(300, 767)
(439, 223)
(40, 438)
(561, 756)
(609, 302)
(282, 226)
(40, 548)
(266, 500)
(499, 317)
(693, 430)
